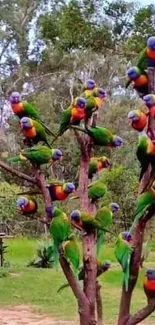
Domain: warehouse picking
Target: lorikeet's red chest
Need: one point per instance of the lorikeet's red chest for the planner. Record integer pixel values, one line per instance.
(30, 208)
(59, 192)
(77, 114)
(149, 284)
(151, 54)
(139, 125)
(30, 133)
(141, 80)
(17, 108)
(99, 165)
(152, 111)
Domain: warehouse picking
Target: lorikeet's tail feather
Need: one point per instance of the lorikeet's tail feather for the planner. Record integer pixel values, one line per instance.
(126, 279)
(31, 192)
(65, 285)
(78, 128)
(100, 240)
(14, 159)
(56, 256)
(48, 131)
(137, 217)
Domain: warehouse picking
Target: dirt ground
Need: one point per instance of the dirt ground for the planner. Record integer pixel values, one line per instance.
(24, 315)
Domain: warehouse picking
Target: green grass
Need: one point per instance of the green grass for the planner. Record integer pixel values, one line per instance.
(38, 287)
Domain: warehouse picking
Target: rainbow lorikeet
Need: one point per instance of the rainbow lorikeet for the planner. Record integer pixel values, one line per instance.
(33, 130)
(59, 230)
(138, 119)
(26, 205)
(72, 115)
(145, 201)
(23, 108)
(71, 252)
(139, 80)
(105, 216)
(88, 88)
(146, 57)
(60, 191)
(97, 164)
(96, 190)
(101, 136)
(145, 153)
(94, 101)
(38, 155)
(123, 253)
(102, 267)
(149, 283)
(84, 221)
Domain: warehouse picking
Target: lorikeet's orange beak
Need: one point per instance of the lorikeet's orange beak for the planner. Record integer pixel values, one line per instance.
(61, 158)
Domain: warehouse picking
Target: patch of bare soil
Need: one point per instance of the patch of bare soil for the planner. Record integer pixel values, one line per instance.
(24, 315)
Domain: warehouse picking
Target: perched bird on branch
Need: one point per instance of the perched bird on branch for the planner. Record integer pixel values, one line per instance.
(33, 130)
(145, 153)
(38, 155)
(96, 190)
(138, 119)
(102, 267)
(146, 57)
(59, 230)
(105, 216)
(123, 253)
(101, 136)
(60, 191)
(139, 80)
(27, 205)
(23, 108)
(71, 252)
(149, 283)
(145, 201)
(97, 164)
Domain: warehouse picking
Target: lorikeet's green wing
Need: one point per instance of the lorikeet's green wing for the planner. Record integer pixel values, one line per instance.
(59, 229)
(142, 60)
(37, 154)
(41, 133)
(104, 215)
(146, 200)
(90, 107)
(96, 190)
(31, 110)
(92, 167)
(101, 136)
(55, 181)
(123, 252)
(72, 253)
(100, 241)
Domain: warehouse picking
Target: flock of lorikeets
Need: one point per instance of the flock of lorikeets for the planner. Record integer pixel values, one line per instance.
(79, 112)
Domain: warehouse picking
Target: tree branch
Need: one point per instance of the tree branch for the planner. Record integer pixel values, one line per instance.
(83, 302)
(142, 313)
(99, 304)
(16, 172)
(40, 177)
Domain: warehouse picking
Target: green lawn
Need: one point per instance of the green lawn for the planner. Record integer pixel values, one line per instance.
(38, 287)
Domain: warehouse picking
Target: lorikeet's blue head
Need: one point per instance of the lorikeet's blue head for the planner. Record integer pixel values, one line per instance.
(150, 273)
(15, 98)
(126, 236)
(81, 102)
(149, 100)
(133, 73)
(133, 116)
(69, 188)
(57, 154)
(75, 216)
(114, 207)
(101, 93)
(26, 123)
(22, 202)
(151, 42)
(106, 265)
(118, 141)
(90, 84)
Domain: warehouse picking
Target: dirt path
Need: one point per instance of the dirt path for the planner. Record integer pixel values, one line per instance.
(24, 315)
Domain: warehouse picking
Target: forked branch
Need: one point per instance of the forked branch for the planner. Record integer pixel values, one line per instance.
(16, 172)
